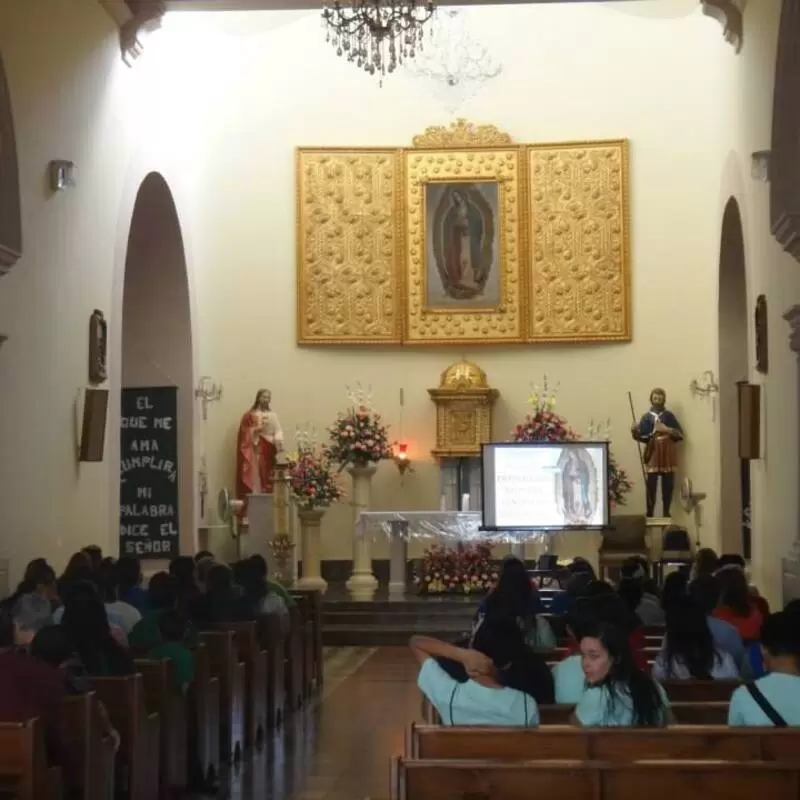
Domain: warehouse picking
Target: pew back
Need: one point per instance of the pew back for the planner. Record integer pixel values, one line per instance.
(431, 779)
(610, 744)
(23, 762)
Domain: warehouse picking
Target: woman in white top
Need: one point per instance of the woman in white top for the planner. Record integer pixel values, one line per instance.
(688, 651)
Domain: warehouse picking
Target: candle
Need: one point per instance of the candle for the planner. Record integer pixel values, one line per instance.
(442, 503)
(465, 501)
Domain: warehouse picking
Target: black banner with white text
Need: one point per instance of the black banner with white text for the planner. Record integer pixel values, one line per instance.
(148, 497)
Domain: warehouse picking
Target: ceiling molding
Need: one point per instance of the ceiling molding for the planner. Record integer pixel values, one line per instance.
(729, 14)
(785, 158)
(134, 17)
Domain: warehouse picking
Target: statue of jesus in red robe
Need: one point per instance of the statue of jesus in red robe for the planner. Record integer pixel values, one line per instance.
(259, 441)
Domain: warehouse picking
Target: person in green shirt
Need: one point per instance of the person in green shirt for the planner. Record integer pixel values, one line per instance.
(261, 573)
(173, 629)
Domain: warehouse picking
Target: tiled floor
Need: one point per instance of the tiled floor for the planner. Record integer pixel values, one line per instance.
(340, 747)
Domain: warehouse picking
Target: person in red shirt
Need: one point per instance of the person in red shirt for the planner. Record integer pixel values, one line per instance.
(736, 605)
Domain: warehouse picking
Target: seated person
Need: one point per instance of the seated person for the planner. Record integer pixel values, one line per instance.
(183, 570)
(174, 628)
(649, 609)
(119, 612)
(31, 688)
(773, 700)
(705, 591)
(514, 598)
(257, 593)
(223, 600)
(491, 694)
(162, 596)
(51, 646)
(260, 569)
(89, 633)
(688, 651)
(736, 605)
(618, 693)
(33, 603)
(575, 589)
(129, 581)
(570, 682)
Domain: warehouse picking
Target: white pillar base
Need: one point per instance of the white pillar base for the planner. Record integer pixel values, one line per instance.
(313, 583)
(398, 558)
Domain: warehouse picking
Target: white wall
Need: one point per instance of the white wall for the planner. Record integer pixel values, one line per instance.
(219, 115)
(567, 75)
(73, 98)
(747, 107)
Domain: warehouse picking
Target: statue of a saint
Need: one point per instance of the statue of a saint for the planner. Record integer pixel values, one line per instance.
(260, 440)
(660, 432)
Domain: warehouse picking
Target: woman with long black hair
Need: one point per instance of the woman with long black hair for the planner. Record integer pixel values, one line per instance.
(689, 651)
(618, 693)
(89, 633)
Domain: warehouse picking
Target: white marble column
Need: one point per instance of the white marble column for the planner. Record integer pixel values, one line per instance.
(310, 522)
(398, 558)
(362, 580)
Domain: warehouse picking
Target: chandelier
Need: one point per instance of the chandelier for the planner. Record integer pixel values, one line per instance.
(377, 35)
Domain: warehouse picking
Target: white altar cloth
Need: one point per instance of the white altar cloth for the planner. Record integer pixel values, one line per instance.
(461, 526)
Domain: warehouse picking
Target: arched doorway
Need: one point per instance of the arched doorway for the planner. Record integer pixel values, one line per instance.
(733, 368)
(157, 408)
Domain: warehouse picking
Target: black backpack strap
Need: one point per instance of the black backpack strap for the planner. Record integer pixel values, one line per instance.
(774, 717)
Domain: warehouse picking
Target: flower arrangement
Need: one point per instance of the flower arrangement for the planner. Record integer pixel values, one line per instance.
(312, 479)
(358, 437)
(619, 484)
(466, 569)
(542, 423)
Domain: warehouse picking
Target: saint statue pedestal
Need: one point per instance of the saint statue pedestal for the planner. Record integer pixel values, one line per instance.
(260, 529)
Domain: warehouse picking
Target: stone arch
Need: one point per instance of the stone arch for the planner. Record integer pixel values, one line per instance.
(156, 332)
(10, 214)
(733, 368)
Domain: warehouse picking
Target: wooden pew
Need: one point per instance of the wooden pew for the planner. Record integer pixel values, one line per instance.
(431, 779)
(24, 770)
(226, 667)
(610, 744)
(161, 697)
(137, 764)
(294, 660)
(700, 691)
(306, 605)
(273, 640)
(87, 753)
(203, 711)
(250, 653)
(316, 618)
(684, 713)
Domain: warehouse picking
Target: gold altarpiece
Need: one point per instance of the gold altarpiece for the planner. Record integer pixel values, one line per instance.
(464, 403)
(377, 228)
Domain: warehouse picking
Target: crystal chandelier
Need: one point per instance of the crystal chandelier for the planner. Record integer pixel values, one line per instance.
(377, 35)
(457, 65)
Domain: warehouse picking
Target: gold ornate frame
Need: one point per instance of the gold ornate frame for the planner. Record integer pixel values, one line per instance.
(361, 241)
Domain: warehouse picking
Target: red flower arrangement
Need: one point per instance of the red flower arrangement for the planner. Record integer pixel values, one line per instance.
(466, 569)
(619, 484)
(358, 437)
(543, 424)
(312, 480)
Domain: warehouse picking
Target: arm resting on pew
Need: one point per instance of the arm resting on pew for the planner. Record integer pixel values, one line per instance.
(424, 647)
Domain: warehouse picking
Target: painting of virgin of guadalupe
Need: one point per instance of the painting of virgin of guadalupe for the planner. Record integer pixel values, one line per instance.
(461, 268)
(576, 487)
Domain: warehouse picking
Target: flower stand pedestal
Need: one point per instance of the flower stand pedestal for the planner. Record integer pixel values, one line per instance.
(362, 582)
(310, 522)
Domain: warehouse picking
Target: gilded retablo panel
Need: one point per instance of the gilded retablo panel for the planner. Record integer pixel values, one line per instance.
(347, 245)
(464, 250)
(579, 289)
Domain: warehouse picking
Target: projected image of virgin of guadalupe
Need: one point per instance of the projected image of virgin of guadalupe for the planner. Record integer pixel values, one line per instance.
(576, 486)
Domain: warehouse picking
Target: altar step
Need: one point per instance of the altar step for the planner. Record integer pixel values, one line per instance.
(390, 623)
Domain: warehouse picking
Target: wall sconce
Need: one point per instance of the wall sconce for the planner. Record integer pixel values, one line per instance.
(62, 175)
(208, 392)
(401, 459)
(760, 165)
(705, 387)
